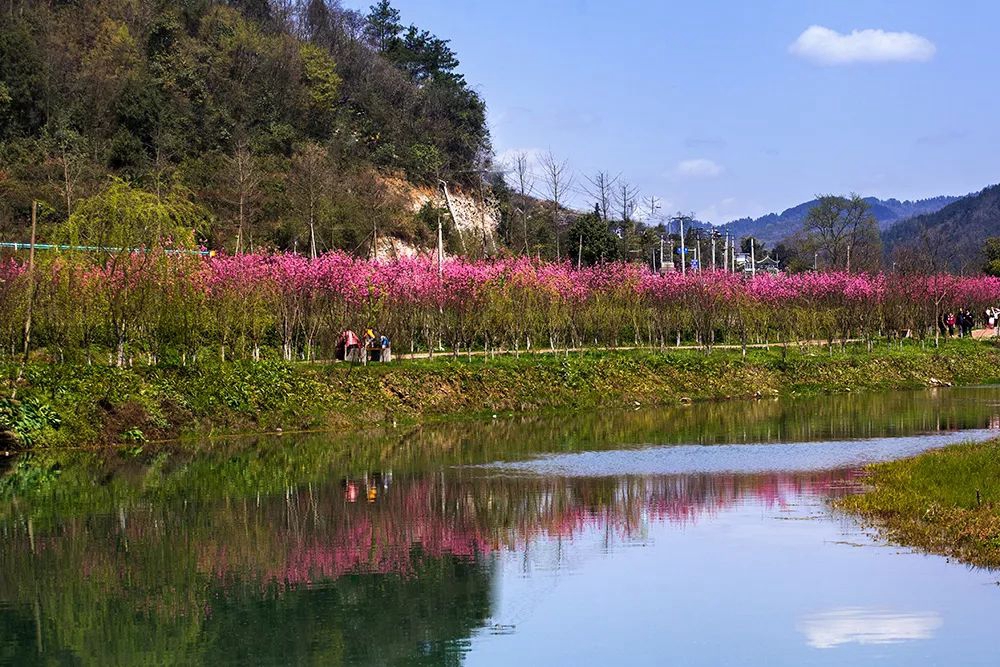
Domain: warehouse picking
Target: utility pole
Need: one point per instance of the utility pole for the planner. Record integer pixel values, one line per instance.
(753, 259)
(440, 251)
(482, 215)
(661, 254)
(680, 221)
(579, 254)
(697, 251)
(670, 248)
(714, 237)
(848, 257)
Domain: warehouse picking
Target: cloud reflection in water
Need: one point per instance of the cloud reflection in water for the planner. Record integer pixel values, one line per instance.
(830, 629)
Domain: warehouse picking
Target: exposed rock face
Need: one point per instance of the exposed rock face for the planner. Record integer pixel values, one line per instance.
(390, 249)
(476, 221)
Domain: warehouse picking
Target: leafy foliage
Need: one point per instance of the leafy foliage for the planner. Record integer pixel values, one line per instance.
(217, 97)
(27, 419)
(991, 252)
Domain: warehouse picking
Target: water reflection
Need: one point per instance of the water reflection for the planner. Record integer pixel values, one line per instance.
(867, 626)
(192, 581)
(785, 457)
(387, 548)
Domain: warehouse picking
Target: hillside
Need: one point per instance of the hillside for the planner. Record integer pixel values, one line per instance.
(288, 123)
(774, 227)
(953, 236)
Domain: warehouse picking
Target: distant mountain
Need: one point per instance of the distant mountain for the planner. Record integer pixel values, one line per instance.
(957, 231)
(774, 227)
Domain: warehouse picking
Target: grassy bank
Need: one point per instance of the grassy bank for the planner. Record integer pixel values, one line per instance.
(60, 405)
(945, 502)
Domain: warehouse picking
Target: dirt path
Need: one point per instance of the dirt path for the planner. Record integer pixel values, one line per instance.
(623, 348)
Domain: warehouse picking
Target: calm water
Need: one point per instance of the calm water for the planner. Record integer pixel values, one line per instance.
(696, 535)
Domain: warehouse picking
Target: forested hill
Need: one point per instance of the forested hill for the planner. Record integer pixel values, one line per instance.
(774, 227)
(272, 114)
(952, 237)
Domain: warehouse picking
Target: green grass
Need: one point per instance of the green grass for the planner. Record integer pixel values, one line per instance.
(945, 501)
(64, 405)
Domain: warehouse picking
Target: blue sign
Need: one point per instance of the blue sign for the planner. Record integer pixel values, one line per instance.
(694, 264)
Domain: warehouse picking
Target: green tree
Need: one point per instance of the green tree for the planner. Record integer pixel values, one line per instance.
(322, 88)
(991, 253)
(423, 56)
(382, 26)
(22, 79)
(844, 233)
(590, 240)
(130, 236)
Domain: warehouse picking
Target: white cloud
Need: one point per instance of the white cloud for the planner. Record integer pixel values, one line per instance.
(718, 213)
(729, 209)
(698, 168)
(829, 47)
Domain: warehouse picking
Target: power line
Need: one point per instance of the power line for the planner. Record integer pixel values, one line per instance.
(93, 248)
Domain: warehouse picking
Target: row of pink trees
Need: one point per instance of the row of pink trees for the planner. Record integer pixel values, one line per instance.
(176, 307)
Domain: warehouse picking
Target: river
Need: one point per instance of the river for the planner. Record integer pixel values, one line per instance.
(694, 535)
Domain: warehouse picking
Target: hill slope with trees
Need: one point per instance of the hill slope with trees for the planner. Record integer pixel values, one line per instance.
(282, 118)
(951, 238)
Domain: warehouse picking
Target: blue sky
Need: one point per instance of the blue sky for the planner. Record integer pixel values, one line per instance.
(734, 108)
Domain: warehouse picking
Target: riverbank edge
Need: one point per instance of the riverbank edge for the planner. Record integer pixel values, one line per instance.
(74, 405)
(944, 502)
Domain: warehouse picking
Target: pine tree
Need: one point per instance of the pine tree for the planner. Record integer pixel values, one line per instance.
(383, 27)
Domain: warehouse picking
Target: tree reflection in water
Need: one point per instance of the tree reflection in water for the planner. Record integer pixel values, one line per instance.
(319, 572)
(285, 551)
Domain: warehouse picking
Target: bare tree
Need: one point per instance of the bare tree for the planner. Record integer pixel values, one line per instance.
(651, 204)
(69, 150)
(601, 188)
(308, 181)
(524, 180)
(244, 184)
(626, 200)
(558, 181)
(72, 170)
(283, 14)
